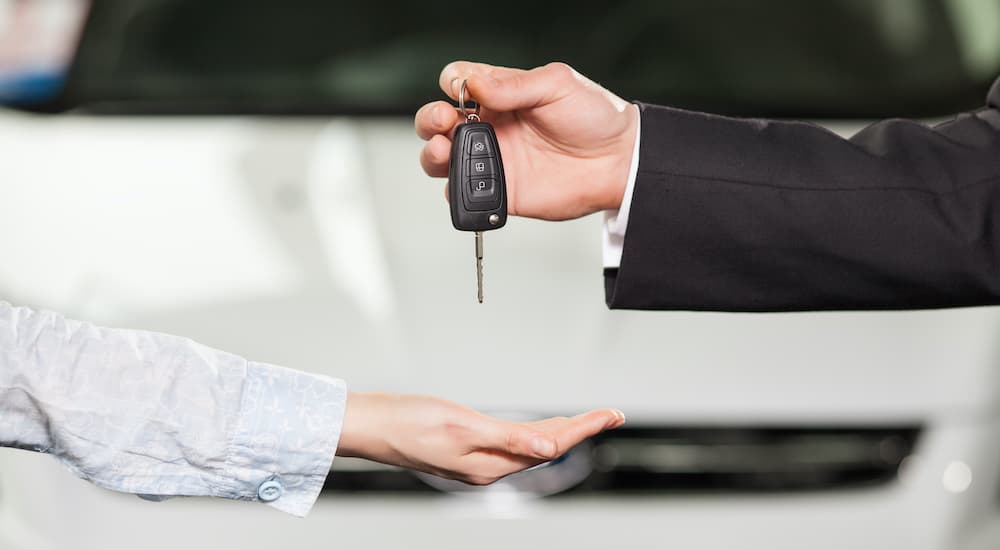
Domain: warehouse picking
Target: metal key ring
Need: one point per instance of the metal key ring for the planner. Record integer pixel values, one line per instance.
(461, 104)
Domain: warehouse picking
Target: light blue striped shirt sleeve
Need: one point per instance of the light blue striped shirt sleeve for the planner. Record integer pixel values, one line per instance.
(162, 416)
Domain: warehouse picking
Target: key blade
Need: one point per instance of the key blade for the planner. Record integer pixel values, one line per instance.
(479, 264)
(479, 277)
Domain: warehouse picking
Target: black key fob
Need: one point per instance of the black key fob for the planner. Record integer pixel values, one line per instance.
(477, 190)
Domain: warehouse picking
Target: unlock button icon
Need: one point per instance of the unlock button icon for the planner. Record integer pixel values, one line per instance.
(482, 167)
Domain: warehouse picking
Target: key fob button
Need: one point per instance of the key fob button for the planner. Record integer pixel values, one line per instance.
(482, 190)
(482, 167)
(479, 145)
(482, 194)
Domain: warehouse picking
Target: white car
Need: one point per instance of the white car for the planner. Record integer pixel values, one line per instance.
(296, 243)
(317, 243)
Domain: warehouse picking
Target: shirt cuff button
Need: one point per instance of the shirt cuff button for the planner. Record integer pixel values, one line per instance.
(270, 491)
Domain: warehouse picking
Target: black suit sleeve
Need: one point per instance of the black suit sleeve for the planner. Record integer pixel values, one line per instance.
(757, 215)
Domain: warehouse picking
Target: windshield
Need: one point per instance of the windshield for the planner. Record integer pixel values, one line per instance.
(834, 58)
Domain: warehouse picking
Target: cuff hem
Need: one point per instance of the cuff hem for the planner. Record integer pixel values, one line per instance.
(288, 431)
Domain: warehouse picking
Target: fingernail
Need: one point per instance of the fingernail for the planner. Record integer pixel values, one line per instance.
(455, 86)
(619, 417)
(543, 447)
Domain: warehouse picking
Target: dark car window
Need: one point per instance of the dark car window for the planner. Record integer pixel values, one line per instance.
(827, 58)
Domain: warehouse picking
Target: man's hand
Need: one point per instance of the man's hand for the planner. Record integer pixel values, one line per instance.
(566, 142)
(449, 440)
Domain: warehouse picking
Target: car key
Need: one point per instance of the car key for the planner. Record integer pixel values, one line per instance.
(477, 190)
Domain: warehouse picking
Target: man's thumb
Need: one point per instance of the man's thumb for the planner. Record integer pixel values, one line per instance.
(517, 90)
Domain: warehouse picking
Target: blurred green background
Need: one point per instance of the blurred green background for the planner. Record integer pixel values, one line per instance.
(828, 58)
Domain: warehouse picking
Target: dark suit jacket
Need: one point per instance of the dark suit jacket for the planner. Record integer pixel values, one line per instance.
(758, 215)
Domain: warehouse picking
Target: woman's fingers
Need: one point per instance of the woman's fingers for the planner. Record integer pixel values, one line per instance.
(549, 438)
(571, 431)
(517, 439)
(510, 447)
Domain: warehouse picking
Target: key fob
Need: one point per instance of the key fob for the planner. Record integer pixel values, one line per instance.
(477, 190)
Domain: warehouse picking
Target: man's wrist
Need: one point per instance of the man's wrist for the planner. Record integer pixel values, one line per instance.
(616, 220)
(618, 174)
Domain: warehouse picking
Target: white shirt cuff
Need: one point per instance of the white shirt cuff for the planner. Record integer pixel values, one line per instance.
(286, 437)
(616, 221)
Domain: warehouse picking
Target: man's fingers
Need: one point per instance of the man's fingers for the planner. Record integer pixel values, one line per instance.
(435, 118)
(503, 89)
(435, 156)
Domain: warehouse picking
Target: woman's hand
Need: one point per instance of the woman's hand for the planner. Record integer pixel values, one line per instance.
(566, 142)
(451, 441)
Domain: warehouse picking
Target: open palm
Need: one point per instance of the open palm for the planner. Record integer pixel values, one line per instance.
(452, 441)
